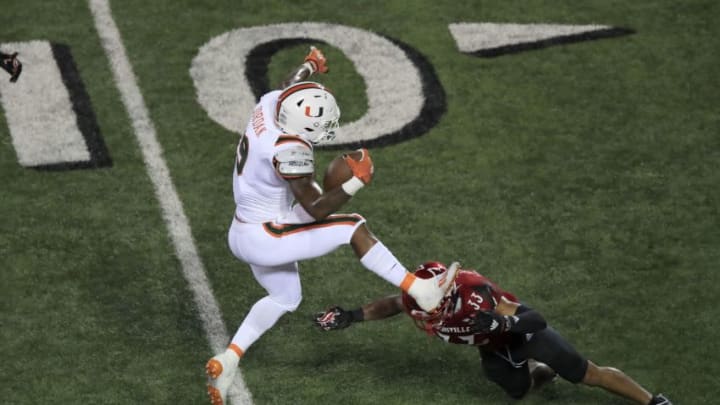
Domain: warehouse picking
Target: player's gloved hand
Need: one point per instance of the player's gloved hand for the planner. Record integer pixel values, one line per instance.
(363, 169)
(12, 65)
(317, 60)
(334, 318)
(490, 322)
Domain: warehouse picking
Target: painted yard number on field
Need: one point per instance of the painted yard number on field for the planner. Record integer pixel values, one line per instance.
(48, 112)
(53, 126)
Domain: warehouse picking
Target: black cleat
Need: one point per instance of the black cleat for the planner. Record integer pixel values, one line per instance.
(542, 374)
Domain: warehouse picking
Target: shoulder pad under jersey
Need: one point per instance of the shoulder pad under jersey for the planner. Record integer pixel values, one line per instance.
(295, 161)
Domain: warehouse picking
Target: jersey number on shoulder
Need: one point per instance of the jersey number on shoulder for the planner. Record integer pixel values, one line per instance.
(242, 152)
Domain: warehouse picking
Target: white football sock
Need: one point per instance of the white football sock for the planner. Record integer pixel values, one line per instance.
(262, 316)
(381, 261)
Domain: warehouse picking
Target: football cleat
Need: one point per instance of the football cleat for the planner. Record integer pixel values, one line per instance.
(431, 290)
(541, 374)
(220, 371)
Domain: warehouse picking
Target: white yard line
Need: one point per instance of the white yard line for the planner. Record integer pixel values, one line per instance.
(170, 203)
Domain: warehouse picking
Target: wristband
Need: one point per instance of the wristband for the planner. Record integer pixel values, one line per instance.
(352, 186)
(310, 66)
(357, 315)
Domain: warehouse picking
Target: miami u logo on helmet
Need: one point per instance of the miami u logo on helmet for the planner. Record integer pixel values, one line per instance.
(308, 109)
(308, 112)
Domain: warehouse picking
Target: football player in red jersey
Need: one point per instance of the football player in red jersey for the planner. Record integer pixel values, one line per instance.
(517, 347)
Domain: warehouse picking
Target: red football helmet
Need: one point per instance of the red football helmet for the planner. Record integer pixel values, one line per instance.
(425, 320)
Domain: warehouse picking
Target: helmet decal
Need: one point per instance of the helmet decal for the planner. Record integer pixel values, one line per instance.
(309, 113)
(309, 110)
(294, 89)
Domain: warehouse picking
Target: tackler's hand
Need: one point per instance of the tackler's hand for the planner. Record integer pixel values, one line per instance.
(490, 322)
(333, 319)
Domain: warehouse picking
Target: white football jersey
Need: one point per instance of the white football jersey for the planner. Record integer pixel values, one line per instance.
(266, 159)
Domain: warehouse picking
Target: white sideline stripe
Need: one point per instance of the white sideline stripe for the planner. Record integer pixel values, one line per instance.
(170, 204)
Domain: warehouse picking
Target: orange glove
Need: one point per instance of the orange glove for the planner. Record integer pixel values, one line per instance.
(317, 60)
(362, 168)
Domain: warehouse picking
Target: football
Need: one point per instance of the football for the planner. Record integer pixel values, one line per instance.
(338, 172)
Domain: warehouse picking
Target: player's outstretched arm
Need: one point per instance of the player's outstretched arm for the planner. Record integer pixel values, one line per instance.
(336, 318)
(383, 308)
(315, 62)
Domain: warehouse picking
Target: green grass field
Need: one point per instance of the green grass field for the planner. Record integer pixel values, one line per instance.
(583, 177)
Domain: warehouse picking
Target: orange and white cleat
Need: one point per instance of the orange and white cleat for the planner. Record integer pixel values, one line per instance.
(429, 292)
(220, 371)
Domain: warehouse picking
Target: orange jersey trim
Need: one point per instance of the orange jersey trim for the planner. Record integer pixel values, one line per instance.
(281, 230)
(284, 139)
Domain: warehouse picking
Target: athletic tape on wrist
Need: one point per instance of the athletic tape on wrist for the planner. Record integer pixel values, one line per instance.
(310, 66)
(352, 186)
(357, 315)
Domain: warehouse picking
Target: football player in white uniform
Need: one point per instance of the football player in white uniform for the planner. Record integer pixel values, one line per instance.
(282, 216)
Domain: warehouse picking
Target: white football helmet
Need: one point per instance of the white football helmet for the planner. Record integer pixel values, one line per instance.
(308, 109)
